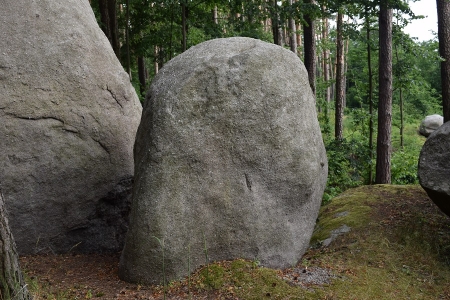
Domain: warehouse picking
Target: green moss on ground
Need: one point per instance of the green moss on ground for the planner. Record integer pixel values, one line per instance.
(398, 248)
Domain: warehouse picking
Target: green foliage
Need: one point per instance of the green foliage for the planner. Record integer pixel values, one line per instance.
(404, 167)
(348, 161)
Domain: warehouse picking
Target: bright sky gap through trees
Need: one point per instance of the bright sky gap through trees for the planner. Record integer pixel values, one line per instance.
(423, 28)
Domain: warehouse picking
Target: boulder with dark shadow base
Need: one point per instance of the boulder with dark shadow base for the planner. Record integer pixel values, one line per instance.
(229, 162)
(69, 116)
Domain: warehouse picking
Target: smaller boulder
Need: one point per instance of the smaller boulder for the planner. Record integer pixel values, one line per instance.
(434, 167)
(430, 124)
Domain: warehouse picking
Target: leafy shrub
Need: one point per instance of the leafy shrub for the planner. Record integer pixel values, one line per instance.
(348, 163)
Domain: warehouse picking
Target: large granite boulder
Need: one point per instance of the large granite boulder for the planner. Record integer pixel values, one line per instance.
(229, 160)
(434, 167)
(430, 124)
(69, 116)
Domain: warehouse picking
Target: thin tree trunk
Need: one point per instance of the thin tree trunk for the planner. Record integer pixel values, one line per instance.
(310, 50)
(383, 165)
(293, 33)
(12, 284)
(401, 105)
(215, 15)
(141, 73)
(127, 36)
(299, 39)
(184, 30)
(370, 93)
(156, 51)
(326, 61)
(113, 27)
(346, 43)
(275, 23)
(104, 18)
(340, 83)
(443, 14)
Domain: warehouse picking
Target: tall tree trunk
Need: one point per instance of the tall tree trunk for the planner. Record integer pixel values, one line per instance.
(326, 60)
(142, 75)
(310, 49)
(299, 39)
(370, 93)
(293, 33)
(340, 83)
(401, 104)
(156, 52)
(113, 27)
(184, 28)
(443, 14)
(383, 165)
(12, 284)
(215, 15)
(275, 23)
(127, 37)
(346, 43)
(104, 18)
(108, 17)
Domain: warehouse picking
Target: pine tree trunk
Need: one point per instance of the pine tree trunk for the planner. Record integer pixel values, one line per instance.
(12, 284)
(114, 27)
(443, 13)
(108, 16)
(326, 61)
(310, 50)
(292, 34)
(340, 83)
(184, 29)
(370, 93)
(127, 36)
(299, 39)
(141, 73)
(104, 18)
(275, 23)
(383, 165)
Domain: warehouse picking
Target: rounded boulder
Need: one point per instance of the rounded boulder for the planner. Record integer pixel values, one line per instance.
(69, 116)
(229, 162)
(434, 167)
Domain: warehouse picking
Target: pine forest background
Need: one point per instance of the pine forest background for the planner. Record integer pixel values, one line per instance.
(339, 44)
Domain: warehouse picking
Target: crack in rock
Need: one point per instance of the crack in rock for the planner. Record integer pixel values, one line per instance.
(114, 96)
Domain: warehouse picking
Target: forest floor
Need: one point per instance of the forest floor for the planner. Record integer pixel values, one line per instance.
(391, 242)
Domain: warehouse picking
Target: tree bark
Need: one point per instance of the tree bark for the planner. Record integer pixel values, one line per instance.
(12, 284)
(104, 18)
(340, 83)
(370, 93)
(299, 39)
(326, 61)
(142, 75)
(293, 33)
(127, 36)
(108, 16)
(310, 50)
(383, 165)
(443, 14)
(113, 27)
(215, 15)
(184, 27)
(275, 23)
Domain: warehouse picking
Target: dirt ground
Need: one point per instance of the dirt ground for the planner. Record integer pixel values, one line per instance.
(76, 276)
(96, 277)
